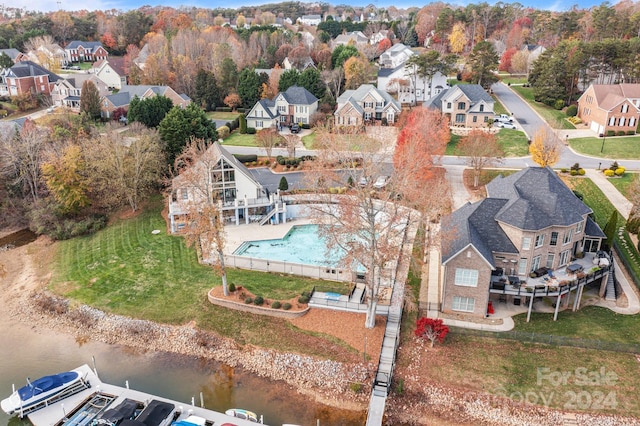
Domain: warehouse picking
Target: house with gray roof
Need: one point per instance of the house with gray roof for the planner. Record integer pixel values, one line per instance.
(14, 54)
(466, 105)
(123, 98)
(366, 105)
(294, 105)
(530, 221)
(312, 20)
(67, 91)
(26, 77)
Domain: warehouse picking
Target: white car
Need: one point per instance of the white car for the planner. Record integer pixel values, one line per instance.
(503, 118)
(364, 181)
(506, 125)
(381, 182)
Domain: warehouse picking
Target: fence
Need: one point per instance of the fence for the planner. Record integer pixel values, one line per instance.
(622, 256)
(551, 340)
(264, 265)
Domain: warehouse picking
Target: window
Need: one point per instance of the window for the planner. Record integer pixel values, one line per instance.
(464, 304)
(462, 105)
(612, 121)
(379, 104)
(621, 122)
(554, 239)
(486, 119)
(466, 277)
(259, 124)
(567, 237)
(368, 104)
(535, 263)
(185, 193)
(625, 108)
(282, 108)
(632, 121)
(539, 240)
(459, 118)
(482, 108)
(522, 267)
(526, 243)
(475, 118)
(579, 227)
(563, 257)
(448, 105)
(550, 258)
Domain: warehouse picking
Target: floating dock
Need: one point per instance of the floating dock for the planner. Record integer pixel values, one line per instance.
(82, 408)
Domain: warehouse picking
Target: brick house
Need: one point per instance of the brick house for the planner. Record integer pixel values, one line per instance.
(466, 105)
(610, 108)
(26, 77)
(294, 105)
(366, 104)
(81, 51)
(529, 220)
(123, 98)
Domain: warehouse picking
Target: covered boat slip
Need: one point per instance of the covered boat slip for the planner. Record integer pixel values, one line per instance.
(56, 414)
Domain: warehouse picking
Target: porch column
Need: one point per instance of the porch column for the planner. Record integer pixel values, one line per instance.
(246, 211)
(236, 212)
(284, 212)
(555, 314)
(531, 304)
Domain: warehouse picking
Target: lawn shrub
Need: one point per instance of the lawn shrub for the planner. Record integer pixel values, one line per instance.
(630, 132)
(563, 170)
(248, 300)
(259, 300)
(303, 299)
(614, 166)
(573, 172)
(619, 171)
(558, 104)
(251, 130)
(223, 132)
(286, 306)
(232, 287)
(581, 172)
(621, 133)
(609, 173)
(276, 305)
(356, 387)
(572, 110)
(611, 133)
(633, 225)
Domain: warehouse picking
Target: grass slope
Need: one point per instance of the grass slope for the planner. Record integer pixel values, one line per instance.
(623, 147)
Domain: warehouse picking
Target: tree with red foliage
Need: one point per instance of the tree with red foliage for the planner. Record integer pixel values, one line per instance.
(505, 61)
(108, 41)
(424, 135)
(384, 44)
(431, 329)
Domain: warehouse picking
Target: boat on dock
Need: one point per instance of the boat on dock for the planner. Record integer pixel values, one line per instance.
(43, 392)
(242, 414)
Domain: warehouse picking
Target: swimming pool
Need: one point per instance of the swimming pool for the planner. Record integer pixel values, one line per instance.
(302, 245)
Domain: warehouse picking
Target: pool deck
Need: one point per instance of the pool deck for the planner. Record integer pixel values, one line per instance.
(236, 235)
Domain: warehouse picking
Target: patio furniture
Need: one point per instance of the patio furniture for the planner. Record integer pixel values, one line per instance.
(539, 272)
(514, 280)
(517, 301)
(574, 268)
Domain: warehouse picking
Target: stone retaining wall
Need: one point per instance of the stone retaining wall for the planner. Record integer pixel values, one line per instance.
(254, 309)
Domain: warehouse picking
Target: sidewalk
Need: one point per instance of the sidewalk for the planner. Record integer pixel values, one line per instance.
(618, 200)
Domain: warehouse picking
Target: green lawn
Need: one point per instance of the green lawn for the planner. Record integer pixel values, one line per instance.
(513, 79)
(498, 108)
(555, 118)
(618, 147)
(238, 139)
(219, 115)
(309, 140)
(127, 270)
(513, 143)
(622, 183)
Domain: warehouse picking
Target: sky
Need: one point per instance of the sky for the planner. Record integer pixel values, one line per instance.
(49, 5)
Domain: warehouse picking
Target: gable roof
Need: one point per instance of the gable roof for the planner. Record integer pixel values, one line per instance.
(90, 45)
(474, 224)
(297, 95)
(117, 64)
(608, 96)
(31, 69)
(355, 97)
(537, 199)
(474, 92)
(11, 53)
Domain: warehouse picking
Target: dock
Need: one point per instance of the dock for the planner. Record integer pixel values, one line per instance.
(83, 407)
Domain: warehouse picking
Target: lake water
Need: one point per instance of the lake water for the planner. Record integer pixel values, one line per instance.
(25, 352)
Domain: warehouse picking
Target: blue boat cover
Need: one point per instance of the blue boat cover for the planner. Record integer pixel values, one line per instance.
(45, 384)
(182, 423)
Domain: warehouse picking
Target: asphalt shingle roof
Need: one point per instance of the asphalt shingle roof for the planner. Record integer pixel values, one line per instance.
(299, 96)
(537, 199)
(31, 69)
(85, 44)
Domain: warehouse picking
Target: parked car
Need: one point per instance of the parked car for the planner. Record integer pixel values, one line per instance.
(295, 128)
(75, 68)
(364, 181)
(381, 182)
(503, 118)
(506, 125)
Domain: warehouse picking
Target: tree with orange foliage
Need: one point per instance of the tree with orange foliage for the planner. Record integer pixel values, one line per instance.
(233, 101)
(383, 45)
(355, 72)
(482, 150)
(108, 41)
(505, 60)
(421, 142)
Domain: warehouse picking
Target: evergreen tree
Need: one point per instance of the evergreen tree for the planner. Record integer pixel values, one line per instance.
(283, 185)
(228, 78)
(287, 79)
(249, 87)
(483, 61)
(310, 80)
(341, 53)
(150, 111)
(611, 228)
(207, 92)
(180, 124)
(5, 61)
(90, 99)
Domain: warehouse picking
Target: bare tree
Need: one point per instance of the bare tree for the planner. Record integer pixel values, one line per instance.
(482, 151)
(268, 139)
(333, 79)
(364, 222)
(198, 173)
(290, 142)
(22, 156)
